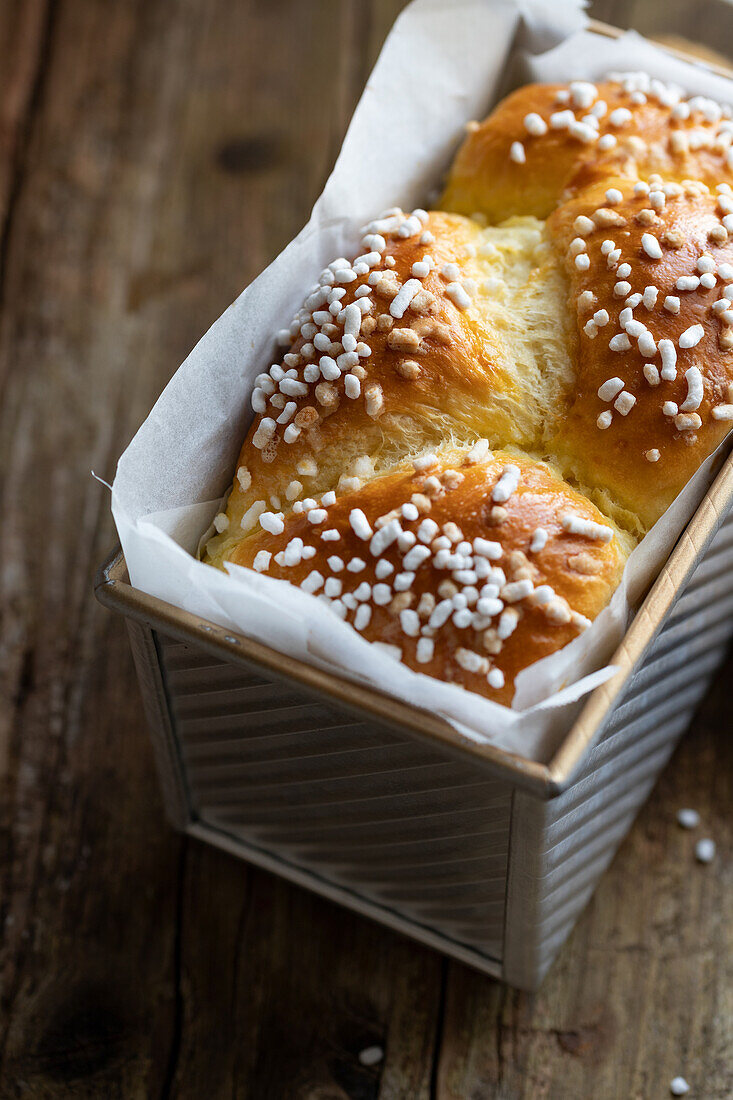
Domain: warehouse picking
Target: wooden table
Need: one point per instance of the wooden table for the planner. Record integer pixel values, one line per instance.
(154, 157)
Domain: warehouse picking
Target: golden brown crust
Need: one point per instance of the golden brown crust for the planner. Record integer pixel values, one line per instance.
(582, 571)
(438, 371)
(485, 179)
(568, 338)
(420, 366)
(644, 458)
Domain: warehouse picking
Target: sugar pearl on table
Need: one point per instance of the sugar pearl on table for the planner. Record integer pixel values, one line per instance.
(678, 1086)
(705, 850)
(371, 1056)
(688, 819)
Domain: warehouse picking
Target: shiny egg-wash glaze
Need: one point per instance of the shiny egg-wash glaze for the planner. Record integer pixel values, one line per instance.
(598, 339)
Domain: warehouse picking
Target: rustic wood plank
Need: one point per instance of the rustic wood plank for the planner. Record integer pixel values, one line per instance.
(90, 896)
(153, 157)
(294, 993)
(25, 30)
(86, 986)
(642, 990)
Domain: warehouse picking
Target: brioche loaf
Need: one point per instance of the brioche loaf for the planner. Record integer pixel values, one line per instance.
(474, 420)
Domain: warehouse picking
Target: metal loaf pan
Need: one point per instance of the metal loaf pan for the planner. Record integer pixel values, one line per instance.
(388, 810)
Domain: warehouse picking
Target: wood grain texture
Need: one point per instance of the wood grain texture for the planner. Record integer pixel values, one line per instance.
(153, 157)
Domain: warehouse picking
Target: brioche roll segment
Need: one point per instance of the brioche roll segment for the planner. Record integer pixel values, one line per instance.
(650, 267)
(470, 568)
(441, 334)
(545, 141)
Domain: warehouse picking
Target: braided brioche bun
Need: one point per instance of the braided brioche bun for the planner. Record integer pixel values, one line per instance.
(470, 567)
(599, 339)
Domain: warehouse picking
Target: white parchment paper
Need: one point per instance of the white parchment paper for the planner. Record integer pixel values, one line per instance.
(441, 65)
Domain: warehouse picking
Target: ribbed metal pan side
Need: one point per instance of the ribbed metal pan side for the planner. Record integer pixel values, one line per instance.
(352, 803)
(560, 848)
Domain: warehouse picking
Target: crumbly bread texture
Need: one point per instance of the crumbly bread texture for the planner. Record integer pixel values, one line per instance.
(472, 422)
